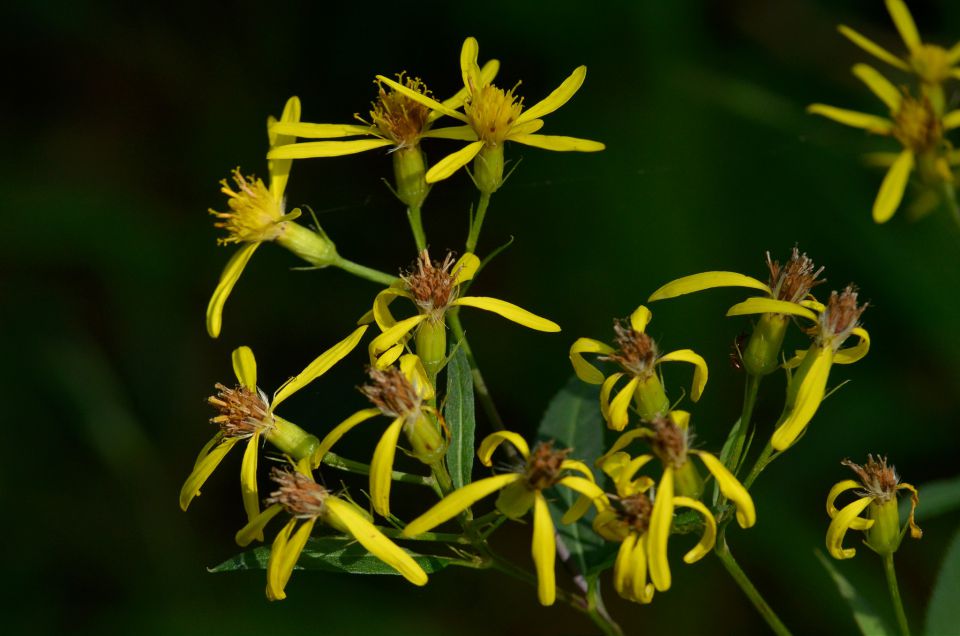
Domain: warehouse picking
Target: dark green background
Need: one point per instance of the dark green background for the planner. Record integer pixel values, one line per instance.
(119, 124)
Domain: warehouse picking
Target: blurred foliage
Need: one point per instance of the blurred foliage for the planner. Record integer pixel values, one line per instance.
(123, 117)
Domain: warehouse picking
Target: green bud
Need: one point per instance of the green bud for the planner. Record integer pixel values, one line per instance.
(431, 343)
(884, 535)
(515, 500)
(761, 356)
(650, 398)
(313, 247)
(291, 439)
(488, 169)
(426, 441)
(687, 481)
(409, 169)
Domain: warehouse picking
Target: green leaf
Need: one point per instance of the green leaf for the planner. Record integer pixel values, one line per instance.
(936, 498)
(459, 414)
(867, 619)
(943, 615)
(573, 421)
(331, 554)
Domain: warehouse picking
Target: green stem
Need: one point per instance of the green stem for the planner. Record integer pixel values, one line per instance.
(733, 568)
(762, 462)
(336, 461)
(442, 477)
(894, 589)
(477, 222)
(416, 225)
(506, 567)
(950, 198)
(362, 271)
(440, 537)
(738, 453)
(598, 611)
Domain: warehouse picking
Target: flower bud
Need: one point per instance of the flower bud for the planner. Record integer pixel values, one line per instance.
(884, 535)
(761, 356)
(488, 169)
(291, 439)
(314, 247)
(408, 170)
(427, 443)
(431, 342)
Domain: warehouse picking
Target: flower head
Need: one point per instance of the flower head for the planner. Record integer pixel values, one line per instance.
(638, 358)
(876, 487)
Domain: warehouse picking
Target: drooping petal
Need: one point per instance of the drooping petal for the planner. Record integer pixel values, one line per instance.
(858, 523)
(640, 318)
(642, 590)
(951, 120)
(320, 131)
(412, 368)
(461, 133)
(340, 430)
(248, 479)
(416, 96)
(323, 363)
(381, 468)
(706, 280)
(245, 367)
(374, 541)
(544, 551)
(879, 86)
(279, 169)
(893, 187)
(680, 418)
(394, 334)
(557, 143)
(509, 311)
(216, 439)
(809, 396)
(388, 357)
(623, 567)
(584, 370)
(856, 119)
(276, 580)
(458, 501)
(492, 441)
(381, 304)
(619, 408)
(487, 73)
(282, 566)
(953, 55)
(873, 48)
(760, 305)
(313, 149)
(465, 268)
(469, 69)
(626, 484)
(255, 526)
(605, 391)
(589, 493)
(731, 488)
(700, 372)
(857, 351)
(904, 23)
(560, 96)
(578, 466)
(709, 536)
(915, 530)
(839, 526)
(229, 277)
(661, 520)
(203, 470)
(622, 442)
(445, 168)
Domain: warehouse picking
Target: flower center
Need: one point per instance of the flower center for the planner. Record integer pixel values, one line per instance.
(254, 212)
(670, 442)
(840, 318)
(635, 511)
(492, 112)
(398, 117)
(636, 351)
(544, 466)
(793, 281)
(878, 479)
(392, 393)
(298, 494)
(930, 62)
(432, 284)
(916, 125)
(242, 412)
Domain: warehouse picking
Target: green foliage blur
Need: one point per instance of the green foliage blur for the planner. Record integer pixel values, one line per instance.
(120, 120)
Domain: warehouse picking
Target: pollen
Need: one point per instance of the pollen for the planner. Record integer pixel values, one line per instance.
(392, 393)
(879, 480)
(544, 466)
(841, 316)
(492, 112)
(636, 351)
(254, 212)
(299, 495)
(794, 280)
(242, 412)
(432, 283)
(398, 117)
(670, 443)
(916, 125)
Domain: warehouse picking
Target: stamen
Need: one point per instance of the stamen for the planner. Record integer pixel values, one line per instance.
(917, 126)
(635, 511)
(877, 478)
(840, 318)
(254, 213)
(636, 351)
(670, 443)
(392, 393)
(792, 282)
(298, 494)
(242, 412)
(432, 283)
(396, 116)
(544, 465)
(492, 113)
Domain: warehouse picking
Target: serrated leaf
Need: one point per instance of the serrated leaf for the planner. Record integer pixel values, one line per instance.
(943, 615)
(936, 498)
(459, 414)
(573, 421)
(867, 619)
(331, 554)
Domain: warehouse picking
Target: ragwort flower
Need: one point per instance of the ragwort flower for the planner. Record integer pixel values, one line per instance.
(638, 357)
(521, 490)
(307, 502)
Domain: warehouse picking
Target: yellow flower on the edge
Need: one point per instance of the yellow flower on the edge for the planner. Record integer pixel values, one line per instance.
(637, 355)
(915, 123)
(519, 492)
(878, 486)
(493, 116)
(669, 438)
(628, 518)
(400, 395)
(308, 502)
(245, 413)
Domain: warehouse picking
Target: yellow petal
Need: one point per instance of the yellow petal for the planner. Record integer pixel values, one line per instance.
(623, 567)
(254, 528)
(808, 399)
(577, 466)
(374, 541)
(858, 523)
(706, 280)
(229, 277)
(412, 368)
(340, 430)
(680, 418)
(953, 55)
(465, 268)
(382, 302)
(216, 439)
(584, 370)
(642, 591)
(893, 187)
(856, 352)
(248, 479)
(245, 367)
(394, 334)
(544, 551)
(871, 123)
(873, 48)
(605, 391)
(622, 442)
(661, 519)
(915, 530)
(469, 69)
(381, 468)
(429, 102)
(461, 133)
(203, 470)
(287, 559)
(700, 371)
(731, 488)
(557, 143)
(625, 483)
(279, 169)
(526, 128)
(487, 73)
(839, 526)
(453, 162)
(508, 311)
(491, 442)
(904, 23)
(458, 501)
(276, 580)
(589, 493)
(879, 86)
(761, 305)
(560, 96)
(312, 149)
(319, 366)
(640, 318)
(709, 536)
(619, 415)
(320, 131)
(951, 120)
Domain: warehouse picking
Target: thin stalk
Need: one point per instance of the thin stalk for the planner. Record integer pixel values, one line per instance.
(508, 568)
(762, 462)
(733, 568)
(362, 271)
(336, 461)
(737, 453)
(950, 198)
(442, 476)
(440, 537)
(894, 589)
(416, 226)
(477, 222)
(598, 611)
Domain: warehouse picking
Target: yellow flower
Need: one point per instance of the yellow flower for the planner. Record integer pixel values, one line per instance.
(806, 389)
(520, 491)
(492, 116)
(434, 288)
(245, 413)
(307, 502)
(878, 484)
(915, 123)
(642, 526)
(637, 356)
(932, 64)
(400, 394)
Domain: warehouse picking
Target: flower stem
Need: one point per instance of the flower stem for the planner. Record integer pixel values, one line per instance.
(598, 611)
(950, 198)
(894, 589)
(416, 226)
(738, 452)
(722, 550)
(762, 462)
(477, 222)
(336, 461)
(439, 537)
(362, 271)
